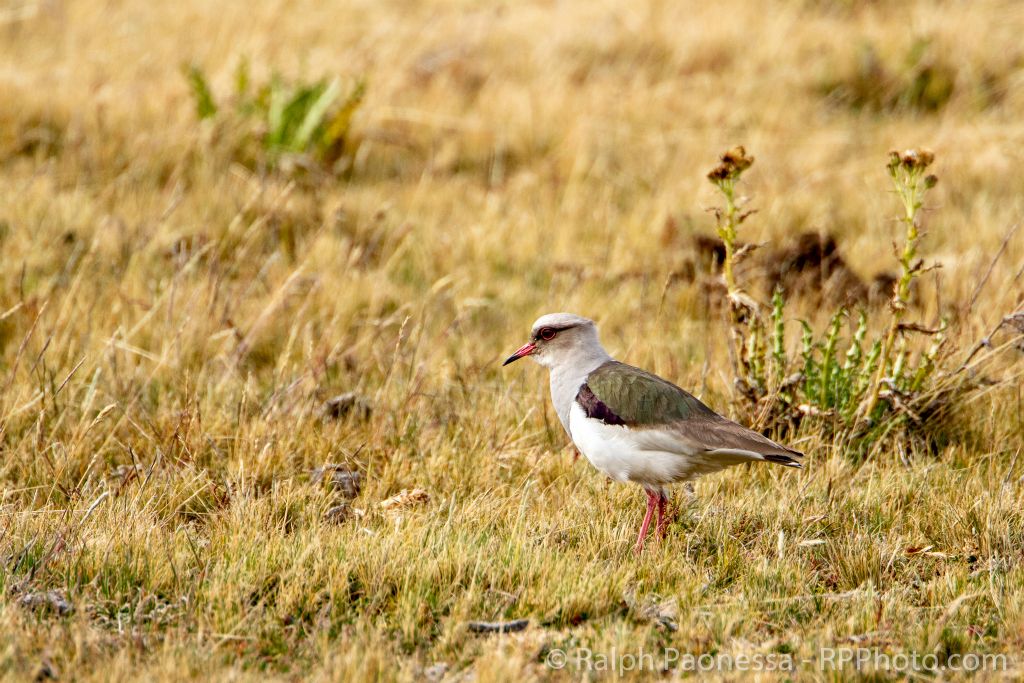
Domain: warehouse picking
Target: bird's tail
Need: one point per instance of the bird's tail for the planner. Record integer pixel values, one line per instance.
(785, 460)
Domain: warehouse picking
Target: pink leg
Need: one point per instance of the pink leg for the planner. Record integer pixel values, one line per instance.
(663, 519)
(652, 501)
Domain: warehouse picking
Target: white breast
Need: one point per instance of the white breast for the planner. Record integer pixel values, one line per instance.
(650, 457)
(613, 449)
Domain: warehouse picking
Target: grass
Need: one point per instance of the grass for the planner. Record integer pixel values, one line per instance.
(173, 319)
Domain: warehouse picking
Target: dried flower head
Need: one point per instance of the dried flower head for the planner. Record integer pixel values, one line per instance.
(737, 156)
(911, 159)
(733, 164)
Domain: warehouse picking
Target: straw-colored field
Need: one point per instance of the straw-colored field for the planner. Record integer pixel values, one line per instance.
(173, 317)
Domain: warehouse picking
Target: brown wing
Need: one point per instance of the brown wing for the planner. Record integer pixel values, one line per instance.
(719, 434)
(621, 394)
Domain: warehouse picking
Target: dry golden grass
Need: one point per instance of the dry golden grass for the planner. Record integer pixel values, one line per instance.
(171, 323)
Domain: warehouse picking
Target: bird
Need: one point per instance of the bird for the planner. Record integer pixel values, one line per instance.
(632, 425)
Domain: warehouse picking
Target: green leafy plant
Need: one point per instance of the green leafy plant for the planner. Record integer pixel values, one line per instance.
(864, 382)
(294, 123)
(201, 94)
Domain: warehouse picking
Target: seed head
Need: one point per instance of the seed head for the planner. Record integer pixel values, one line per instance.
(911, 159)
(733, 164)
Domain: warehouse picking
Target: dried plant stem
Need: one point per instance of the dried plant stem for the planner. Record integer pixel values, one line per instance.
(741, 308)
(907, 171)
(727, 233)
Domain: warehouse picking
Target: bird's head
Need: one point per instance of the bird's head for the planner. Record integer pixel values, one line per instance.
(558, 338)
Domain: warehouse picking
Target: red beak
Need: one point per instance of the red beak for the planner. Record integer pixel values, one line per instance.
(524, 350)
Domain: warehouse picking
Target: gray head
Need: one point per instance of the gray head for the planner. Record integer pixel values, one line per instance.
(560, 338)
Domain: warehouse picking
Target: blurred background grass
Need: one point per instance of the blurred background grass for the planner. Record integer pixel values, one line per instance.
(178, 298)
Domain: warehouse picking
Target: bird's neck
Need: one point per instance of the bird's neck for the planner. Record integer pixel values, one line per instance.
(567, 378)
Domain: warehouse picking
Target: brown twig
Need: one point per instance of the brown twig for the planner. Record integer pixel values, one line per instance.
(992, 264)
(918, 327)
(498, 626)
(986, 341)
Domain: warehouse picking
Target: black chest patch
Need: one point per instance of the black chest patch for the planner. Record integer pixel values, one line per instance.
(595, 409)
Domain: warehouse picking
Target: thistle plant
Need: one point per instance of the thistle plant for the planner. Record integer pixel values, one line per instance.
(746, 349)
(840, 373)
(730, 217)
(908, 173)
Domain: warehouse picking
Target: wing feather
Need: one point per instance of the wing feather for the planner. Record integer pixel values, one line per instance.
(674, 419)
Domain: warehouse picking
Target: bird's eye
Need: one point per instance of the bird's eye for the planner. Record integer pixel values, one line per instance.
(547, 334)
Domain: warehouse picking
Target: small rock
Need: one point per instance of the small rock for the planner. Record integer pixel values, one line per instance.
(46, 671)
(338, 513)
(651, 608)
(49, 600)
(436, 672)
(347, 482)
(405, 499)
(349, 403)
